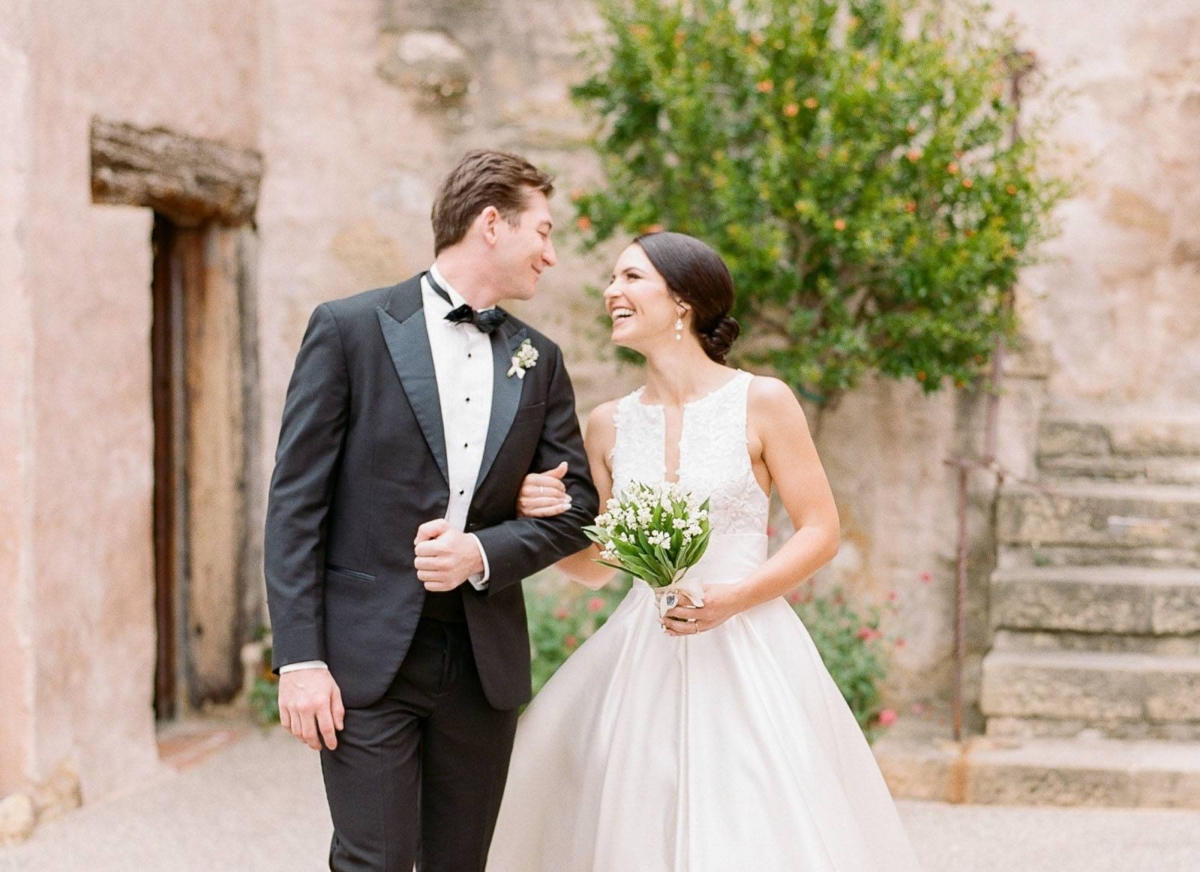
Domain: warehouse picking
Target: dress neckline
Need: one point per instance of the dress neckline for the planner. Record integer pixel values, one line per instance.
(737, 373)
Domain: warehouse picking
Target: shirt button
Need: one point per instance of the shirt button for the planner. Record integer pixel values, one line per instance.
(468, 354)
(466, 445)
(461, 492)
(468, 399)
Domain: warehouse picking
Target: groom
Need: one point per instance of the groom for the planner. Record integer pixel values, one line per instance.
(394, 557)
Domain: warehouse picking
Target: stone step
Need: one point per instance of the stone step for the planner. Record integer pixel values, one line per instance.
(1089, 686)
(1129, 433)
(1102, 599)
(1039, 554)
(1079, 513)
(1053, 728)
(1159, 470)
(1065, 772)
(1112, 643)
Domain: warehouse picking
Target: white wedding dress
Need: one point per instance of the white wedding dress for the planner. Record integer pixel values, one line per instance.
(727, 751)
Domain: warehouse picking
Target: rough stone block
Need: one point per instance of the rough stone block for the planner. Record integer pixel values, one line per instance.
(1057, 438)
(1114, 600)
(1113, 515)
(1093, 687)
(17, 819)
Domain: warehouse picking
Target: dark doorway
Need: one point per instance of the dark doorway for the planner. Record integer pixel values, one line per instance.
(200, 465)
(166, 335)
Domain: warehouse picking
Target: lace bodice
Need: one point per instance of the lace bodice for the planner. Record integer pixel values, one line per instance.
(713, 458)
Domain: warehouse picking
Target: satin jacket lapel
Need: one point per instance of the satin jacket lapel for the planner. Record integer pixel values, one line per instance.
(506, 395)
(407, 340)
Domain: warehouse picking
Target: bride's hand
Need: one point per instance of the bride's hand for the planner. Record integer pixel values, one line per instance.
(721, 602)
(543, 494)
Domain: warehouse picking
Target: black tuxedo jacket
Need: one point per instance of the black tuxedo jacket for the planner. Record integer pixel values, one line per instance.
(361, 464)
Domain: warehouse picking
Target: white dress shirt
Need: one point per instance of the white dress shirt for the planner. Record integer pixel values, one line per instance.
(462, 364)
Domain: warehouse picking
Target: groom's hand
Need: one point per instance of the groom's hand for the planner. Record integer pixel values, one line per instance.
(310, 707)
(445, 557)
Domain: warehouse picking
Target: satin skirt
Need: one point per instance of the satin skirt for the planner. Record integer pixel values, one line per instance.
(726, 751)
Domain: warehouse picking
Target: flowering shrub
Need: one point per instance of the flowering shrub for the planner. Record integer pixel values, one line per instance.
(853, 161)
(854, 650)
(562, 617)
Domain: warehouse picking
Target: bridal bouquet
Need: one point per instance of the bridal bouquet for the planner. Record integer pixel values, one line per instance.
(656, 533)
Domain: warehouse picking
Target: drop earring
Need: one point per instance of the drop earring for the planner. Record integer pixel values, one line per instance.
(679, 329)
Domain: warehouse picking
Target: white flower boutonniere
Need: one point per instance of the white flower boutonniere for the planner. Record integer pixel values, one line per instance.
(524, 360)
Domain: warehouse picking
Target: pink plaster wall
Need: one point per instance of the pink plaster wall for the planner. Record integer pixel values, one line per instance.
(192, 67)
(16, 341)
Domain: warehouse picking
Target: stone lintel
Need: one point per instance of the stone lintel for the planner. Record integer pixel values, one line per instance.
(190, 180)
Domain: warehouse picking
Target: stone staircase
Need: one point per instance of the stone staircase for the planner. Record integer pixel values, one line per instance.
(1091, 691)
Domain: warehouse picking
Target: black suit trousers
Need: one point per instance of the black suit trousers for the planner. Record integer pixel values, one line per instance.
(417, 777)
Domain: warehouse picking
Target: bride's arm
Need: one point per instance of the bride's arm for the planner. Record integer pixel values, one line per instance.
(786, 450)
(533, 499)
(795, 470)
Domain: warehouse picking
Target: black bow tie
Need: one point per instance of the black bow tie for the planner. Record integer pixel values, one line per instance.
(486, 321)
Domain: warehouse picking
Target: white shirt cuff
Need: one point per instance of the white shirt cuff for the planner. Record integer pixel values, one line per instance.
(479, 581)
(303, 664)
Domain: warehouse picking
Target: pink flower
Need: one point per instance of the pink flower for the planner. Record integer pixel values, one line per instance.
(572, 642)
(887, 717)
(868, 633)
(562, 613)
(893, 596)
(926, 577)
(595, 604)
(795, 597)
(900, 643)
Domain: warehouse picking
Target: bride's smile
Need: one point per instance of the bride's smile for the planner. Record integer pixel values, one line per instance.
(641, 307)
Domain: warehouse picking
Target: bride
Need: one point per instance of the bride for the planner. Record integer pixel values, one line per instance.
(712, 739)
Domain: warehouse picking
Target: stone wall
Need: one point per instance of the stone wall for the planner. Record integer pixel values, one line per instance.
(1119, 301)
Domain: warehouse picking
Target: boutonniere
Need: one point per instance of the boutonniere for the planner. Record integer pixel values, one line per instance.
(525, 359)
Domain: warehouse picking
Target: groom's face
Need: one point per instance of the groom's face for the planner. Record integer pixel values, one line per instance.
(524, 250)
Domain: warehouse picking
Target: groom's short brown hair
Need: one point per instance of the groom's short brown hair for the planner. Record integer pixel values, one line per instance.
(484, 178)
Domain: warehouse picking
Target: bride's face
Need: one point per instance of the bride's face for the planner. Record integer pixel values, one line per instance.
(643, 311)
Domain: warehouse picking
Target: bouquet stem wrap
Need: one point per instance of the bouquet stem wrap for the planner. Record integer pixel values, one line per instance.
(668, 597)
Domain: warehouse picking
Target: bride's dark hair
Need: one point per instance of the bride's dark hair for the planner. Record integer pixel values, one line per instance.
(696, 275)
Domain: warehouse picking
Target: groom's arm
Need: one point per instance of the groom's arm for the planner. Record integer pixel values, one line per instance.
(516, 549)
(310, 441)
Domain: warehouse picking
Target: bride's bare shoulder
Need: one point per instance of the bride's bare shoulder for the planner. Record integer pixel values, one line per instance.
(767, 392)
(771, 406)
(602, 419)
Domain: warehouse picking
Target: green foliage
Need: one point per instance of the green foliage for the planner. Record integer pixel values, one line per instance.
(852, 160)
(853, 649)
(564, 616)
(263, 698)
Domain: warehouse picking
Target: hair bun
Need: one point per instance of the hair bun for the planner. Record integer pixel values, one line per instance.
(718, 340)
